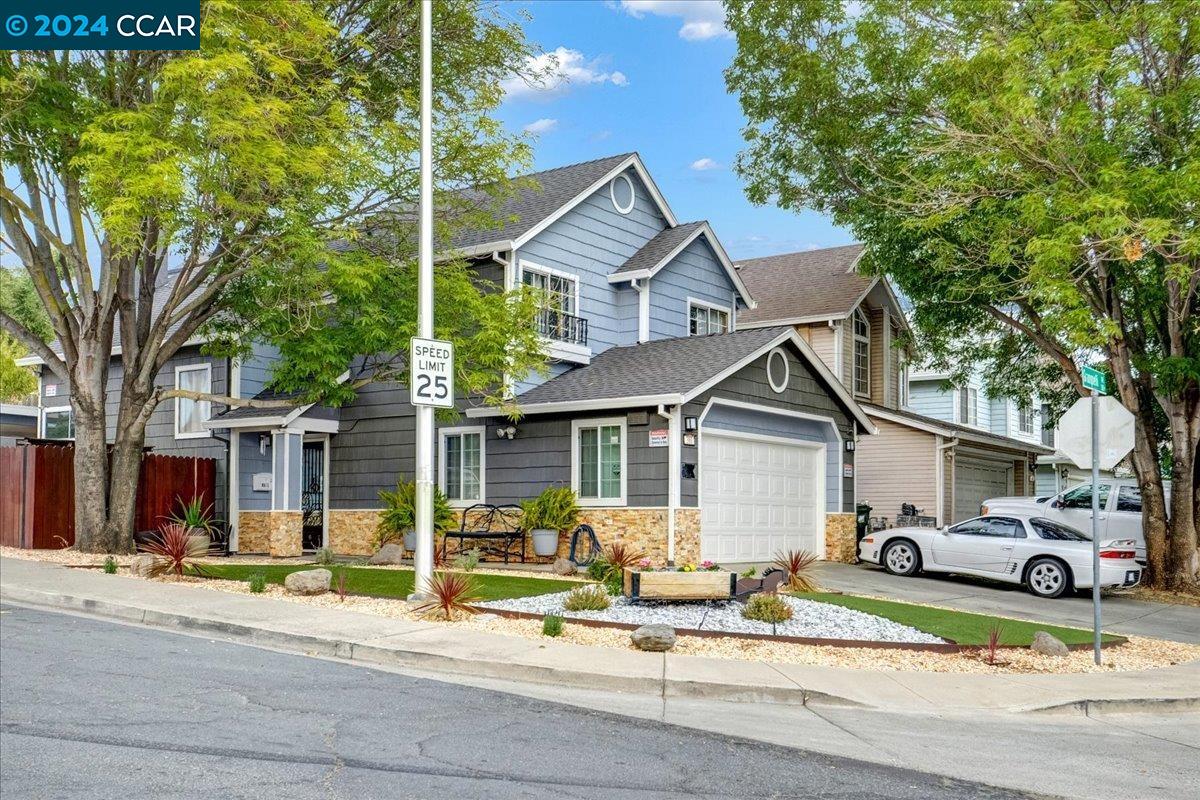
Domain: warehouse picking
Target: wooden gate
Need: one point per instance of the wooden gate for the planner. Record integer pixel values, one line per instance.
(37, 492)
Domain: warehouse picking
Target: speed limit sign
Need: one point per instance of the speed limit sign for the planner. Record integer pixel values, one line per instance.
(431, 368)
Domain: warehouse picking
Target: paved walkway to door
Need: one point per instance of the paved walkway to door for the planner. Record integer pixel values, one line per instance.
(1121, 614)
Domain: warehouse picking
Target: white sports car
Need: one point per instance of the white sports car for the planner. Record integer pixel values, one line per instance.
(1048, 557)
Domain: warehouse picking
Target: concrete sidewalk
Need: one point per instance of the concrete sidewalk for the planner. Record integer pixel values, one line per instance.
(439, 649)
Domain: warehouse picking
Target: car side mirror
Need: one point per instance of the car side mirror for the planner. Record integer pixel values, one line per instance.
(1056, 503)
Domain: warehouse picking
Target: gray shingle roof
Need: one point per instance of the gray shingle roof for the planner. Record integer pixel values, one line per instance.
(807, 284)
(965, 431)
(658, 248)
(660, 367)
(529, 206)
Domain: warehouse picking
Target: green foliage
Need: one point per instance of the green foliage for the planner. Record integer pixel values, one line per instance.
(400, 512)
(614, 582)
(599, 568)
(749, 572)
(324, 556)
(194, 515)
(110, 566)
(555, 509)
(767, 608)
(468, 560)
(552, 625)
(258, 583)
(586, 598)
(19, 298)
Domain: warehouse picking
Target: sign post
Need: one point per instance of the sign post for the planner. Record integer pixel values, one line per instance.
(1096, 432)
(424, 423)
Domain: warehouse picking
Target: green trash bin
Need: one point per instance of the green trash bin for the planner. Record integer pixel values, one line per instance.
(863, 520)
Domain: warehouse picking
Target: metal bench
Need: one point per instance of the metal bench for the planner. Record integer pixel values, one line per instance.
(498, 527)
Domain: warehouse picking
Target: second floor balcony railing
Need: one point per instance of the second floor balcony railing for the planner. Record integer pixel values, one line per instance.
(559, 326)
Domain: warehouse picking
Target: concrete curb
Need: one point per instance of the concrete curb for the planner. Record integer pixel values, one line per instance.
(764, 684)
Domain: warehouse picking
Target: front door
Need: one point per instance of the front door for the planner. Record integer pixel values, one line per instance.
(312, 495)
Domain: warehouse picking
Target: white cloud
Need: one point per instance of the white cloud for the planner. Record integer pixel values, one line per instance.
(600, 136)
(560, 71)
(702, 19)
(704, 164)
(542, 125)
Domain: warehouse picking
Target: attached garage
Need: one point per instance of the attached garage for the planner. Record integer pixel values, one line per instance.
(760, 495)
(977, 479)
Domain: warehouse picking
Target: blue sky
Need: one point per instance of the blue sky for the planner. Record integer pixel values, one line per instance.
(646, 75)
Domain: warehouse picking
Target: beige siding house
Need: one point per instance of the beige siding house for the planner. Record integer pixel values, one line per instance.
(855, 323)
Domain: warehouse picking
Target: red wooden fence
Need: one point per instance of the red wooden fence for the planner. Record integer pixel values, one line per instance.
(37, 486)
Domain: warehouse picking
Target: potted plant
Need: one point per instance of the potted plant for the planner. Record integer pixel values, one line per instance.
(196, 518)
(399, 517)
(548, 515)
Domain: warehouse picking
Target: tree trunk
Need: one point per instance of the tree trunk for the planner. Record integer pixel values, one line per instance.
(1182, 540)
(124, 478)
(87, 382)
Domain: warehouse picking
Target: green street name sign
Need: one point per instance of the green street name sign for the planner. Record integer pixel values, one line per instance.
(1095, 380)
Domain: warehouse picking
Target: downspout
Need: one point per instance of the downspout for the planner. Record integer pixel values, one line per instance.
(941, 477)
(233, 454)
(674, 470)
(642, 285)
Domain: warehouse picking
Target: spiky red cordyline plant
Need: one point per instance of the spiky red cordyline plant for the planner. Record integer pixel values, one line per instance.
(798, 566)
(450, 593)
(622, 557)
(175, 548)
(993, 644)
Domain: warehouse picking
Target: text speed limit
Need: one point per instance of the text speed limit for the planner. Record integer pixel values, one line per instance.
(431, 367)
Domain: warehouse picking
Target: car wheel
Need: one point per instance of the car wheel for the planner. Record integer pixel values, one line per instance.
(1047, 578)
(902, 558)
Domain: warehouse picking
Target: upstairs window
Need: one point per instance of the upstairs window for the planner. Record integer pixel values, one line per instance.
(559, 318)
(1025, 420)
(704, 318)
(862, 353)
(190, 415)
(58, 423)
(968, 406)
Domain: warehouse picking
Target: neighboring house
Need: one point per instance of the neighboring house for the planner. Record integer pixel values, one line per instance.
(18, 419)
(679, 435)
(923, 454)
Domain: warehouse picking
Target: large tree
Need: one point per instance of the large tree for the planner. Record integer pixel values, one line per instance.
(260, 187)
(19, 298)
(1029, 175)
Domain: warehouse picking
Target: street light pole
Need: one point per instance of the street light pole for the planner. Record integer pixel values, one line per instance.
(424, 467)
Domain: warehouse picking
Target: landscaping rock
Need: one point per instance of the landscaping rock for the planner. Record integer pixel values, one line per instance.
(309, 581)
(388, 554)
(141, 565)
(1048, 645)
(564, 566)
(487, 617)
(655, 638)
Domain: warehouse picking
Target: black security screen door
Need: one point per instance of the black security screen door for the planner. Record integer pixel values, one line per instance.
(312, 494)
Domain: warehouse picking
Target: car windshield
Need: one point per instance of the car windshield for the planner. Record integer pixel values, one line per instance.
(1048, 529)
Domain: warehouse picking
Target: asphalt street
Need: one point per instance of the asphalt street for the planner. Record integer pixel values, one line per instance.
(93, 709)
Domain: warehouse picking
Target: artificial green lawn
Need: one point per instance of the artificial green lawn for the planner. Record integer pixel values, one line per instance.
(393, 582)
(958, 626)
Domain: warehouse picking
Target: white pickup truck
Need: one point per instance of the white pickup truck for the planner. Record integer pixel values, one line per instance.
(1120, 509)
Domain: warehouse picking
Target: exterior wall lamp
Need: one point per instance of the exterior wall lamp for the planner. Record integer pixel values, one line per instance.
(508, 432)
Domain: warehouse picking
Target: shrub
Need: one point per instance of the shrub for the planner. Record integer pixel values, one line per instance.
(552, 625)
(797, 566)
(324, 556)
(110, 566)
(339, 585)
(451, 594)
(400, 513)
(174, 548)
(767, 608)
(555, 509)
(614, 584)
(258, 583)
(598, 569)
(749, 572)
(467, 561)
(993, 643)
(194, 515)
(586, 598)
(621, 557)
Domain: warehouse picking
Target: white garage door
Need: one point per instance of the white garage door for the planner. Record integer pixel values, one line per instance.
(758, 497)
(976, 481)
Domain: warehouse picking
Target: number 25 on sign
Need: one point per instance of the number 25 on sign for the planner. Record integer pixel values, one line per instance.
(431, 372)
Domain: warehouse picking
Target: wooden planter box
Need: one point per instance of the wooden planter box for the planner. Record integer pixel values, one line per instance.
(679, 585)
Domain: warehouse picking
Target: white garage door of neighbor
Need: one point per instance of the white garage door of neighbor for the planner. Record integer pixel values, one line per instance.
(759, 496)
(976, 481)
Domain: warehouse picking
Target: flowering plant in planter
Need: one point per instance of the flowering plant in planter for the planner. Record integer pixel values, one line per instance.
(709, 566)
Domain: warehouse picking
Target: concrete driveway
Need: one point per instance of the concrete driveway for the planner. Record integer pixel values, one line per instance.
(1120, 614)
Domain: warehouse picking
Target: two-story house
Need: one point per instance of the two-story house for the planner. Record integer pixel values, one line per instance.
(943, 465)
(678, 434)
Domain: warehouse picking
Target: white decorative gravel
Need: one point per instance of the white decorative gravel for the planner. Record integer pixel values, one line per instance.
(809, 618)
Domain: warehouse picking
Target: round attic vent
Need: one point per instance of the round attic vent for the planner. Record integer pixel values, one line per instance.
(621, 191)
(778, 370)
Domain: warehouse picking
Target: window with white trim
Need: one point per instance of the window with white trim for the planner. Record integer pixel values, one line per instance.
(190, 415)
(58, 423)
(862, 353)
(560, 292)
(598, 461)
(1025, 420)
(968, 406)
(462, 465)
(704, 319)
